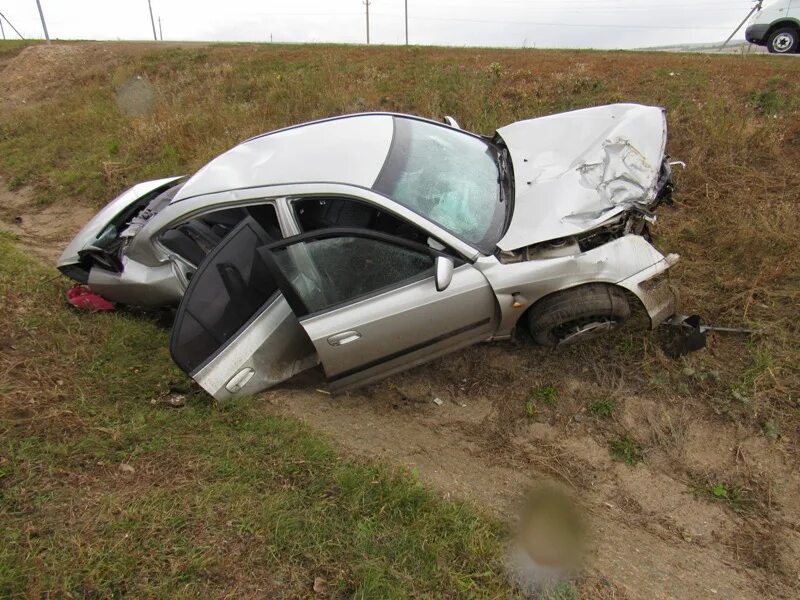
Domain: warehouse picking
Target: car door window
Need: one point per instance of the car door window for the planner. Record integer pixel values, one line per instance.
(329, 271)
(323, 212)
(194, 239)
(231, 286)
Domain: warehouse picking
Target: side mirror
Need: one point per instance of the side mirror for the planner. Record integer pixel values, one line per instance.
(444, 272)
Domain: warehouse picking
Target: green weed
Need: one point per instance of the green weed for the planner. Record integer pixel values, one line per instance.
(626, 449)
(546, 394)
(602, 408)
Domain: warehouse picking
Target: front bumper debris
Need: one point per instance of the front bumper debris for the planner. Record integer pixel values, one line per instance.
(689, 334)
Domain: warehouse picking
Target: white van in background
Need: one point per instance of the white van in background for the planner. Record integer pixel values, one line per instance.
(776, 26)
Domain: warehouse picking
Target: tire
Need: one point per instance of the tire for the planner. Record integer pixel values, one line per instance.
(579, 313)
(784, 40)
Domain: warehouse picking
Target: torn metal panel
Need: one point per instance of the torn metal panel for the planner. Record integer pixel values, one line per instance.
(94, 229)
(576, 170)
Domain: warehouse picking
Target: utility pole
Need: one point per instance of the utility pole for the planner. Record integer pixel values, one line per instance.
(160, 31)
(44, 25)
(367, 3)
(10, 24)
(3, 31)
(152, 21)
(406, 22)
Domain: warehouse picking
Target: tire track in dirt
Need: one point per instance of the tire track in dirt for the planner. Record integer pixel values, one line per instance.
(649, 535)
(43, 230)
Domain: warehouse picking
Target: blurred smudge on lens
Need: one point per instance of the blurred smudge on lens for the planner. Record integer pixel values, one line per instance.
(548, 545)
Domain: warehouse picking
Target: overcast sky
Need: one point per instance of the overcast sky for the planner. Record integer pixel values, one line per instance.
(514, 23)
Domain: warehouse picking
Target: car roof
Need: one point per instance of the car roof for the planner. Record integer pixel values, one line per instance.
(350, 149)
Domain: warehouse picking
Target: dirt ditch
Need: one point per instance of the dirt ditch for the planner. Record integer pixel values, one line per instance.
(654, 534)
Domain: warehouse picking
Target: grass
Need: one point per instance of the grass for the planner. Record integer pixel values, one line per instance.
(626, 449)
(545, 394)
(562, 591)
(602, 408)
(736, 495)
(12, 47)
(105, 494)
(721, 491)
(733, 119)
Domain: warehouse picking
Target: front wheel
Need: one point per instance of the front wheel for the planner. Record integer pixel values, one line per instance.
(577, 314)
(783, 41)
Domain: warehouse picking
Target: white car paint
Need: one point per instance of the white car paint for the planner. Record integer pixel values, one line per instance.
(776, 26)
(776, 10)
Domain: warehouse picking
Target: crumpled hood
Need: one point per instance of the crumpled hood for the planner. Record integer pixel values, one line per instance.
(575, 170)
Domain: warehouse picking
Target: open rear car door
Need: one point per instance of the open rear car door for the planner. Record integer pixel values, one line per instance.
(365, 303)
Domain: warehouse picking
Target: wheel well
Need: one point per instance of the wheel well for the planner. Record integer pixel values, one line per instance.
(638, 309)
(785, 23)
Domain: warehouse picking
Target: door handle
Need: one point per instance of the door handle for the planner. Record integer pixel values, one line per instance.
(239, 380)
(340, 339)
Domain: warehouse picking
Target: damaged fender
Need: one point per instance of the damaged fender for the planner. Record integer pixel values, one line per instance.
(629, 261)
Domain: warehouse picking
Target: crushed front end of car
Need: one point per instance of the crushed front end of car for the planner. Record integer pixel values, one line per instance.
(588, 183)
(97, 254)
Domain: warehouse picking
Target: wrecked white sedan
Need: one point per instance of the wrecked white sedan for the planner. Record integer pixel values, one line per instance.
(371, 243)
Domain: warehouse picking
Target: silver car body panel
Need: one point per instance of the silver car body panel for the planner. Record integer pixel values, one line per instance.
(383, 334)
(626, 261)
(268, 351)
(575, 170)
(138, 284)
(344, 150)
(88, 234)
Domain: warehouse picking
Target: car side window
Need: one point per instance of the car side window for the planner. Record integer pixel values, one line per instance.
(331, 271)
(232, 286)
(196, 238)
(323, 212)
